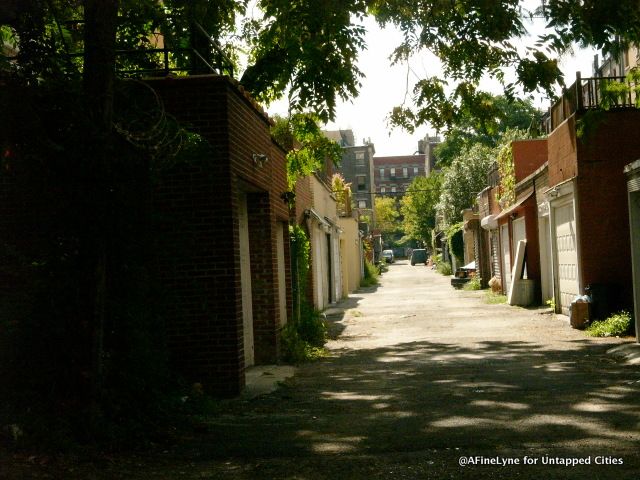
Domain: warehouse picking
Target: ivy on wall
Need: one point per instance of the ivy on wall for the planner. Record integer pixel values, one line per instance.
(506, 194)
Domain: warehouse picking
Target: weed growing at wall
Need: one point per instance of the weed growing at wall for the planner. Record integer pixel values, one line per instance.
(444, 268)
(473, 284)
(493, 298)
(614, 326)
(370, 277)
(305, 334)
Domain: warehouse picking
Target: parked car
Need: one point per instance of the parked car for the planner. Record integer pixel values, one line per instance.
(388, 256)
(419, 255)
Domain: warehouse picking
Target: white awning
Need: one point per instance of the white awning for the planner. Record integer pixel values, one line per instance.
(490, 222)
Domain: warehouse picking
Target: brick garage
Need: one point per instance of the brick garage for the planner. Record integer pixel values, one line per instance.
(603, 209)
(597, 162)
(199, 207)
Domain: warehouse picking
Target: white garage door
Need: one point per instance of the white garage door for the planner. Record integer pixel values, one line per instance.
(506, 257)
(567, 255)
(519, 233)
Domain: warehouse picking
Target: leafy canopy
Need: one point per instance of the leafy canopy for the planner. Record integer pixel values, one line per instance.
(308, 49)
(499, 114)
(418, 207)
(308, 148)
(462, 181)
(386, 215)
(477, 37)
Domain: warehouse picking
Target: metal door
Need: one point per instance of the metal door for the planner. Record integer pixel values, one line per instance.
(566, 255)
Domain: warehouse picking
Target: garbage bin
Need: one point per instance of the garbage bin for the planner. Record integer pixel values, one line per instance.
(604, 299)
(579, 312)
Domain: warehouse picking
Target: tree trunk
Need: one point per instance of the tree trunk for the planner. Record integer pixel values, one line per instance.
(101, 19)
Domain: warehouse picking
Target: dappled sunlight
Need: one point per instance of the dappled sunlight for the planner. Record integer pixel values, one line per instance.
(392, 359)
(354, 396)
(482, 387)
(459, 421)
(596, 407)
(499, 405)
(424, 394)
(557, 366)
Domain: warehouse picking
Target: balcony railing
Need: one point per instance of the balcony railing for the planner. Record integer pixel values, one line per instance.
(590, 94)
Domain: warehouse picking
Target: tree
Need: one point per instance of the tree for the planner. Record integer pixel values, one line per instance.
(418, 207)
(386, 215)
(308, 49)
(462, 181)
(498, 115)
(476, 38)
(308, 149)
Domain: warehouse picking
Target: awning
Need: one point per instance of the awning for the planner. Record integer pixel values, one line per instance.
(313, 215)
(490, 222)
(515, 206)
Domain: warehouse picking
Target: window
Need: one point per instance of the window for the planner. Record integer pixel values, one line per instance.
(360, 159)
(383, 189)
(392, 172)
(393, 189)
(362, 183)
(415, 170)
(405, 172)
(382, 173)
(362, 204)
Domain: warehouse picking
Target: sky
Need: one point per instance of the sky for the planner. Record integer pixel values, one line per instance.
(384, 87)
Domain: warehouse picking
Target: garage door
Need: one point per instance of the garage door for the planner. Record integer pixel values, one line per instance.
(519, 233)
(506, 257)
(567, 255)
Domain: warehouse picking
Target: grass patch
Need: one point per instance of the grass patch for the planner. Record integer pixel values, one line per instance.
(370, 278)
(614, 326)
(494, 298)
(473, 284)
(444, 268)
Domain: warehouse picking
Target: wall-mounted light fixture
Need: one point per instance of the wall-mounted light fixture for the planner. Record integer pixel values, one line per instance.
(288, 197)
(259, 159)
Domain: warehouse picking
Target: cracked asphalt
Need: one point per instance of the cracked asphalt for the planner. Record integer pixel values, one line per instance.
(420, 379)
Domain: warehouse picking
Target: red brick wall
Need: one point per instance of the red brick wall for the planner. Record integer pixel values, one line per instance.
(562, 152)
(198, 205)
(603, 205)
(528, 156)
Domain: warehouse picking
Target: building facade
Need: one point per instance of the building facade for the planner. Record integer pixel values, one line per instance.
(393, 175)
(357, 168)
(226, 272)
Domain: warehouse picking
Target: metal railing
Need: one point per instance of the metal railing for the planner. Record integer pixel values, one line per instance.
(590, 94)
(165, 60)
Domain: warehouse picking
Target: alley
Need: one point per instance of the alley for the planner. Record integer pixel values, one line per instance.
(418, 376)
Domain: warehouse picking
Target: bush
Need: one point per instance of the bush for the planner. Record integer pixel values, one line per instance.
(303, 338)
(370, 275)
(473, 284)
(444, 268)
(614, 326)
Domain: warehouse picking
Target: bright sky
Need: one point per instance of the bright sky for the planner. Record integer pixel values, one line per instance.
(384, 87)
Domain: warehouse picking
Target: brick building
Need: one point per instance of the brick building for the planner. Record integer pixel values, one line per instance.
(393, 175)
(571, 206)
(224, 218)
(357, 168)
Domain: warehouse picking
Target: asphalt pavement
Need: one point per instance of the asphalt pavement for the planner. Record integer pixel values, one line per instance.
(427, 382)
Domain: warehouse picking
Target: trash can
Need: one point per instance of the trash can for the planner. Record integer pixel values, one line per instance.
(579, 312)
(604, 299)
